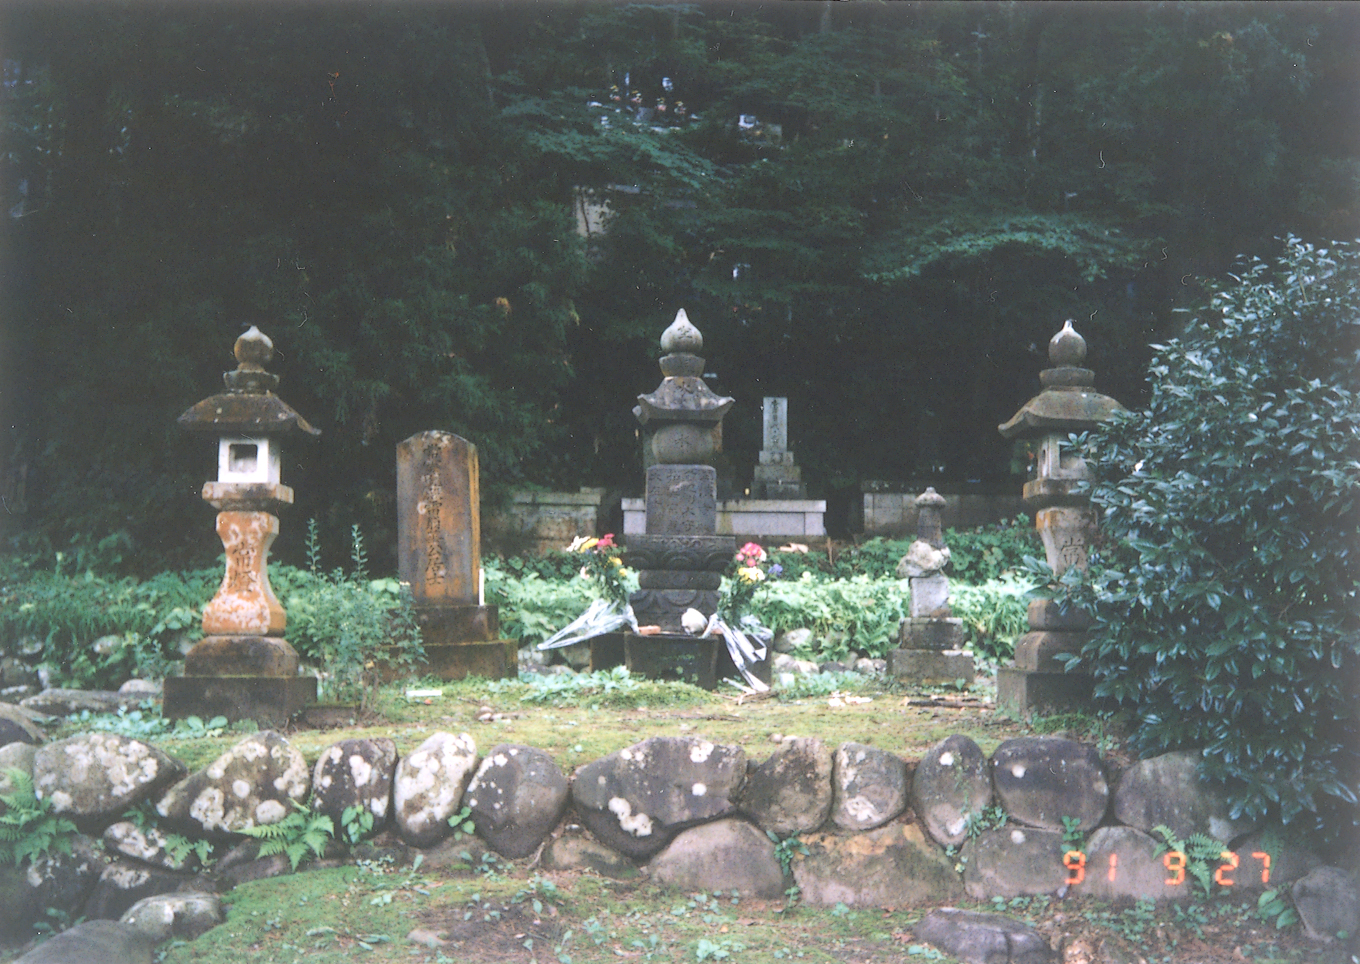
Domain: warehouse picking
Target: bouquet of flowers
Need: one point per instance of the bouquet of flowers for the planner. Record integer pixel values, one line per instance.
(744, 577)
(602, 565)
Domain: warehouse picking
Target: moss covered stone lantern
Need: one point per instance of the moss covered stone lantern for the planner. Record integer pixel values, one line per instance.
(243, 668)
(1065, 519)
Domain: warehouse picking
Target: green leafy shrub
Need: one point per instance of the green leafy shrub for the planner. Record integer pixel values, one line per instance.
(28, 828)
(68, 611)
(994, 614)
(532, 607)
(990, 552)
(350, 625)
(858, 613)
(1226, 593)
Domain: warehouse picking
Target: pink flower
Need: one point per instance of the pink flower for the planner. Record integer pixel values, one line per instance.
(751, 554)
(606, 541)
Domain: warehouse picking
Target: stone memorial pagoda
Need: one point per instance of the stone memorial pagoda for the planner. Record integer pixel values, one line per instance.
(243, 668)
(776, 475)
(680, 558)
(1066, 521)
(930, 639)
(439, 557)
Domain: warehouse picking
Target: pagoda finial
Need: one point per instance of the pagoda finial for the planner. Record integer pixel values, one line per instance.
(681, 335)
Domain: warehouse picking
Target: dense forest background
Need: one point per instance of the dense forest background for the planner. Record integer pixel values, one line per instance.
(880, 210)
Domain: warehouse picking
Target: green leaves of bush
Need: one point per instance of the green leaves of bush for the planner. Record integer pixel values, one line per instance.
(1227, 598)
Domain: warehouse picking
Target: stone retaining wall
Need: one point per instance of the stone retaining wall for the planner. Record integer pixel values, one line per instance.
(1042, 815)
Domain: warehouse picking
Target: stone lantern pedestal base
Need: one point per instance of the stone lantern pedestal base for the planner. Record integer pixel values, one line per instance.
(1021, 693)
(241, 678)
(1038, 681)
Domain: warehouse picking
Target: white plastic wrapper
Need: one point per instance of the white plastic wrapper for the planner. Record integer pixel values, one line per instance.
(747, 645)
(600, 617)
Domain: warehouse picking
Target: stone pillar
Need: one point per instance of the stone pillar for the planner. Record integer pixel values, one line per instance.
(776, 475)
(243, 668)
(1037, 681)
(930, 639)
(439, 557)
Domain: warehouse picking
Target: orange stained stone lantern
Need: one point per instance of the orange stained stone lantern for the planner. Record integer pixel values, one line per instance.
(250, 421)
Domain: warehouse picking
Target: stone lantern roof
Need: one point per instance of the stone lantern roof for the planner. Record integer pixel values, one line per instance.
(249, 406)
(682, 395)
(1068, 403)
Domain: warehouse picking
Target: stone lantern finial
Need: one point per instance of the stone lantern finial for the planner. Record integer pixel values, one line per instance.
(253, 350)
(1067, 348)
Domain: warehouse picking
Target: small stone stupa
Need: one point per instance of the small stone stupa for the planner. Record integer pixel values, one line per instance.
(930, 639)
(243, 668)
(1066, 522)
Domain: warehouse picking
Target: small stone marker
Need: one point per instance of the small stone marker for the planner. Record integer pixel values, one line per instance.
(439, 556)
(930, 639)
(776, 475)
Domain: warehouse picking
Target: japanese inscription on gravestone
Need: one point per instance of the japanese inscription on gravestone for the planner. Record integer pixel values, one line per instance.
(776, 424)
(438, 541)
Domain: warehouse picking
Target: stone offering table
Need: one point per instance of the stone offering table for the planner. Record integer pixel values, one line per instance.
(1037, 681)
(243, 668)
(439, 557)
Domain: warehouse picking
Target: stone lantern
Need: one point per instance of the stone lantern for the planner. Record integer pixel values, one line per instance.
(243, 668)
(1066, 523)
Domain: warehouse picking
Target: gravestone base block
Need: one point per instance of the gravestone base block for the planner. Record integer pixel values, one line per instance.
(727, 669)
(1022, 693)
(606, 651)
(490, 659)
(933, 634)
(928, 666)
(449, 623)
(673, 657)
(270, 701)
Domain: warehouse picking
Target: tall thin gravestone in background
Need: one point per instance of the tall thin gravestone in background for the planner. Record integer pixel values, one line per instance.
(1068, 404)
(439, 557)
(776, 476)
